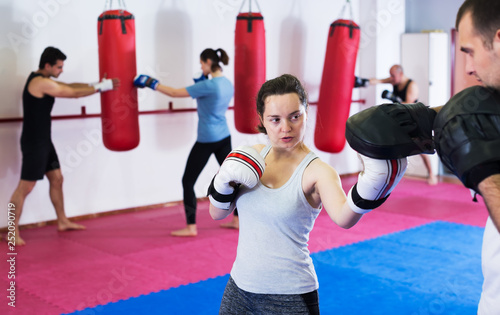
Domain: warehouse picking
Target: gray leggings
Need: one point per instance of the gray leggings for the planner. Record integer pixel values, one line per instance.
(238, 302)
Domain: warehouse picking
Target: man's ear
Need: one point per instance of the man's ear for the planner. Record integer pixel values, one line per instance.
(497, 36)
(496, 42)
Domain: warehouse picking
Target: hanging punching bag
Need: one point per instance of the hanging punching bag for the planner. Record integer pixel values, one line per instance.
(337, 82)
(249, 69)
(119, 108)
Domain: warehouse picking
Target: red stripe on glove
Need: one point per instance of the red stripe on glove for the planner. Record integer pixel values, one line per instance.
(394, 170)
(246, 159)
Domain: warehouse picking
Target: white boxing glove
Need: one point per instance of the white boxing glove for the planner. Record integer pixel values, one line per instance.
(103, 86)
(375, 183)
(243, 166)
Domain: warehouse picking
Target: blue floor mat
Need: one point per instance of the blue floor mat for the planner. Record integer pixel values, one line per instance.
(431, 269)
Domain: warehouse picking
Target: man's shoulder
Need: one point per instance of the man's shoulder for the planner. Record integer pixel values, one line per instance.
(37, 78)
(41, 82)
(39, 85)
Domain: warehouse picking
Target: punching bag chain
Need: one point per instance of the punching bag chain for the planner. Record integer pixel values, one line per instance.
(108, 5)
(348, 2)
(250, 6)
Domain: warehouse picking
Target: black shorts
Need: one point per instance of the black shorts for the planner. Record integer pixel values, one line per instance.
(237, 301)
(38, 160)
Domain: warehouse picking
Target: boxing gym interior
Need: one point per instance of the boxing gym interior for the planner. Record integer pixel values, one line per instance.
(418, 253)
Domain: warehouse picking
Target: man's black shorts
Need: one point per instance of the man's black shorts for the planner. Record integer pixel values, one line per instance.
(38, 160)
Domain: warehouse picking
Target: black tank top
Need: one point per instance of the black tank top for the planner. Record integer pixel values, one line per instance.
(36, 121)
(402, 93)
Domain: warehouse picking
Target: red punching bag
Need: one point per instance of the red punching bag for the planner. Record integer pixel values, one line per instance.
(249, 69)
(336, 86)
(119, 108)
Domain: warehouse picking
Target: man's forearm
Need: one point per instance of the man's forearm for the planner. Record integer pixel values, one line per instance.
(78, 85)
(490, 190)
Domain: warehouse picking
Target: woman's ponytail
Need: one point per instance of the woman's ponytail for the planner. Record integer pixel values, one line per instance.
(224, 58)
(216, 56)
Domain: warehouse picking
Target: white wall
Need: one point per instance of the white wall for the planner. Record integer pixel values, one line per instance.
(169, 36)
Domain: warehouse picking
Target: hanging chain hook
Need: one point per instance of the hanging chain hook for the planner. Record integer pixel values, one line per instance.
(123, 5)
(249, 6)
(242, 4)
(350, 9)
(108, 5)
(258, 7)
(348, 2)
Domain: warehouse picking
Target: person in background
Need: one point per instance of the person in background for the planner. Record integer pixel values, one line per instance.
(39, 155)
(213, 96)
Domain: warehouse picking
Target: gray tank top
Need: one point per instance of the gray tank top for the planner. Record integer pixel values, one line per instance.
(272, 255)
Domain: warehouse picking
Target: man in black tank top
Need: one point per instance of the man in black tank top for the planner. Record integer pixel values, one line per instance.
(39, 155)
(405, 91)
(403, 87)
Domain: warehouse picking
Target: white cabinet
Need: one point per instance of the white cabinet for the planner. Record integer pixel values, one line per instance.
(425, 58)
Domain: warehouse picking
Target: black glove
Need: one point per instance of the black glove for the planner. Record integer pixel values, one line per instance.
(361, 82)
(392, 131)
(467, 135)
(390, 96)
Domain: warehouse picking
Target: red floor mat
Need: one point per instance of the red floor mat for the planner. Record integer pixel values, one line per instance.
(127, 255)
